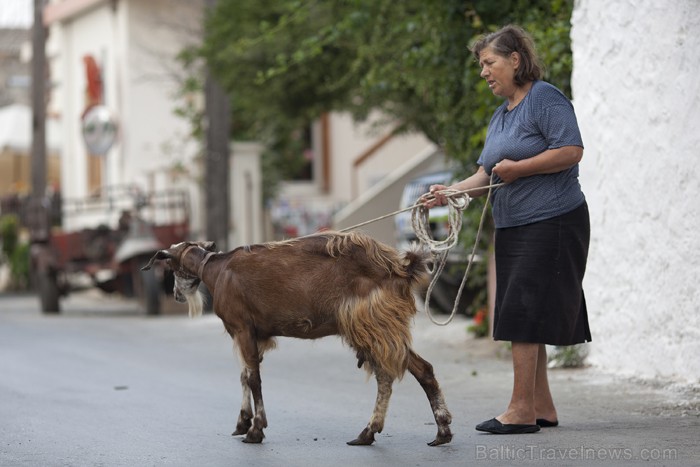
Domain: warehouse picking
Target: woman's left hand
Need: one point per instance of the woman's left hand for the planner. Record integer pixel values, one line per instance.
(507, 170)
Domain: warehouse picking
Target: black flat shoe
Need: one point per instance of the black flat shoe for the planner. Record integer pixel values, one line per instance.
(544, 423)
(498, 428)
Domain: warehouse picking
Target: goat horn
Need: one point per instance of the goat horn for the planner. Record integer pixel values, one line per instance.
(160, 254)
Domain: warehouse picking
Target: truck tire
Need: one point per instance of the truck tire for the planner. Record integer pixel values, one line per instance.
(150, 289)
(48, 292)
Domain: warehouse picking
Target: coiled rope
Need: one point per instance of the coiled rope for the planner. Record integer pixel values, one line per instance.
(457, 201)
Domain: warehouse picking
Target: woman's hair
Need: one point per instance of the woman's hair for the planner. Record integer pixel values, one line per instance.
(511, 39)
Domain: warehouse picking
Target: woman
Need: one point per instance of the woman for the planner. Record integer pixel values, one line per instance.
(533, 145)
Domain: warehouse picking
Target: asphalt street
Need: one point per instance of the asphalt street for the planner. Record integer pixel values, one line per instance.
(102, 384)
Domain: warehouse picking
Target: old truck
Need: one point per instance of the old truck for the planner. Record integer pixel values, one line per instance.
(103, 241)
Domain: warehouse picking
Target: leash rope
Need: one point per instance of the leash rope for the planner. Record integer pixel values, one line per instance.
(457, 201)
(427, 196)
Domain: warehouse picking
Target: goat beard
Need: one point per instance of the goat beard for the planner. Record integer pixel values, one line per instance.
(195, 303)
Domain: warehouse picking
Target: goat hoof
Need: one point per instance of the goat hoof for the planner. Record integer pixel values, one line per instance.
(254, 436)
(441, 439)
(366, 438)
(242, 428)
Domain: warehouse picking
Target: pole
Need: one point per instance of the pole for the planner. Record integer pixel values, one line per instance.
(39, 227)
(38, 103)
(218, 113)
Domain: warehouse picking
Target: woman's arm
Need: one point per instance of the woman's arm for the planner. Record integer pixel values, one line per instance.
(478, 179)
(548, 162)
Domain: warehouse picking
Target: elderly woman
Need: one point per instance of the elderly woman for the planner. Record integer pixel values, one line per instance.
(533, 145)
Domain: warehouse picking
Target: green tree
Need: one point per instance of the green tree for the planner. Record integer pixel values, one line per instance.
(286, 62)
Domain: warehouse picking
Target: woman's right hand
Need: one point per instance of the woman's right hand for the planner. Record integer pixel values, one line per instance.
(434, 197)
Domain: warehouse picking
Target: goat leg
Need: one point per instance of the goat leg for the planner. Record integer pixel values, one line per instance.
(423, 372)
(255, 431)
(250, 355)
(376, 423)
(244, 418)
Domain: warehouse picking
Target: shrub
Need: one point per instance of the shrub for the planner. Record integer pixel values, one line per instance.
(14, 252)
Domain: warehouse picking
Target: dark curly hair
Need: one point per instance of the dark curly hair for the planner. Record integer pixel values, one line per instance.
(509, 39)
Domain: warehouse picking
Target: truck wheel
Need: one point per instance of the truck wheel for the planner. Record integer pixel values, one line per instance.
(151, 292)
(48, 292)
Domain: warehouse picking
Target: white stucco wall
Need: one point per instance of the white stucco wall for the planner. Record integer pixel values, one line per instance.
(157, 31)
(637, 97)
(135, 45)
(66, 47)
(350, 140)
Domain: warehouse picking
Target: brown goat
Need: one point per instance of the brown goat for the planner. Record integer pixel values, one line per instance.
(330, 283)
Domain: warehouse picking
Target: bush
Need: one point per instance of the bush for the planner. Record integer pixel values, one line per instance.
(19, 267)
(14, 252)
(480, 328)
(9, 235)
(572, 356)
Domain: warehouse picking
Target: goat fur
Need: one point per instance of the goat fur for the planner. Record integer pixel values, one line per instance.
(330, 283)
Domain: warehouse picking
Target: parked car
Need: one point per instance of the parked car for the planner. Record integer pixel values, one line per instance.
(445, 290)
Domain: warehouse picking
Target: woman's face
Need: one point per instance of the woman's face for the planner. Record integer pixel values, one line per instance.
(499, 71)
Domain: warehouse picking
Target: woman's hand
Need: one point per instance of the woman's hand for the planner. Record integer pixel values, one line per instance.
(548, 162)
(434, 198)
(507, 170)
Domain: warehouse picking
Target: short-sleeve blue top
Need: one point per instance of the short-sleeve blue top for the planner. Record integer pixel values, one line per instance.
(544, 119)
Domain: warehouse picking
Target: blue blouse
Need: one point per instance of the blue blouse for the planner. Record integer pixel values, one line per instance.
(544, 119)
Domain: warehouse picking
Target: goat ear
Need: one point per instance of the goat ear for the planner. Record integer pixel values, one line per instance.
(160, 254)
(209, 246)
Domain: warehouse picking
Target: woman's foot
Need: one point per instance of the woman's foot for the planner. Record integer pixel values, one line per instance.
(514, 416)
(498, 428)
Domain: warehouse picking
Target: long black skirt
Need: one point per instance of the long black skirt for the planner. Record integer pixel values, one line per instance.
(539, 274)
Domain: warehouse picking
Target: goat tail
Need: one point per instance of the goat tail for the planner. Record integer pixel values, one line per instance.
(415, 263)
(377, 327)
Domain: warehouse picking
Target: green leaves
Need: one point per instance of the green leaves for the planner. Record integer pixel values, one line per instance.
(286, 62)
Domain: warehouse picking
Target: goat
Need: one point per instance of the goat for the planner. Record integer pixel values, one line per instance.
(329, 283)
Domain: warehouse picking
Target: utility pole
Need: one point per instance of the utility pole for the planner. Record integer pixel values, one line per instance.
(218, 120)
(39, 217)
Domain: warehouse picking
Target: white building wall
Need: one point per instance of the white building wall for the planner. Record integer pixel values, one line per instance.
(350, 140)
(637, 97)
(135, 43)
(245, 176)
(68, 43)
(305, 207)
(157, 31)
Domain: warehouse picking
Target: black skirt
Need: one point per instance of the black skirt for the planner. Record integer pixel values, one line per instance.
(539, 274)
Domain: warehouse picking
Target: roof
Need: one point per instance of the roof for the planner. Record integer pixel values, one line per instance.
(16, 129)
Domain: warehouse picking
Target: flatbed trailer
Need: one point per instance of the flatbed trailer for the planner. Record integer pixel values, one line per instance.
(104, 243)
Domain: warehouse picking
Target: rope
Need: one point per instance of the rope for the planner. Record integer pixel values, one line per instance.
(457, 201)
(427, 196)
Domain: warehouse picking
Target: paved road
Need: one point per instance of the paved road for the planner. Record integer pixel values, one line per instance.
(104, 385)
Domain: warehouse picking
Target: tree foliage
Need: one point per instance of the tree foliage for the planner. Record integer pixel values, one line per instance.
(285, 62)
